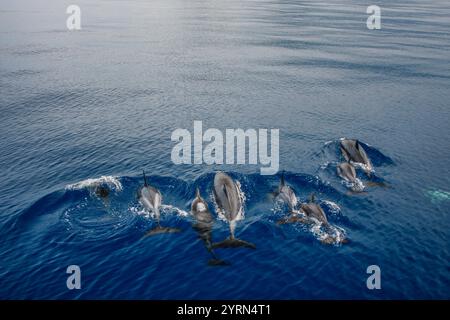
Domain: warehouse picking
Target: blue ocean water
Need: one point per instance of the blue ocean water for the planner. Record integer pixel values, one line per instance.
(99, 105)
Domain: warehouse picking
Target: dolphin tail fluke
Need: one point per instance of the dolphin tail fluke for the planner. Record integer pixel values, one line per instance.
(215, 261)
(233, 243)
(159, 230)
(197, 193)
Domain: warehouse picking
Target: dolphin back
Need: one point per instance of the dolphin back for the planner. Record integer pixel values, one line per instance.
(288, 196)
(150, 198)
(313, 210)
(349, 151)
(227, 196)
(352, 150)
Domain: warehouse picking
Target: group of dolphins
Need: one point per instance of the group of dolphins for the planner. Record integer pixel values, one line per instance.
(353, 153)
(228, 200)
(229, 203)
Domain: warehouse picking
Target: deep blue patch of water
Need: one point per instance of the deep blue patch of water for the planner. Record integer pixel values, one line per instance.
(99, 106)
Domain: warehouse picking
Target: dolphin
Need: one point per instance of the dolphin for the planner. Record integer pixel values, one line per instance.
(313, 213)
(227, 198)
(347, 172)
(314, 210)
(286, 194)
(151, 198)
(101, 191)
(353, 151)
(203, 225)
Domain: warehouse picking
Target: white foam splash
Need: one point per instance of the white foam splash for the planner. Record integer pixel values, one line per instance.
(333, 207)
(328, 234)
(325, 233)
(220, 213)
(278, 206)
(325, 165)
(141, 211)
(438, 195)
(363, 166)
(164, 209)
(111, 181)
(242, 197)
(357, 186)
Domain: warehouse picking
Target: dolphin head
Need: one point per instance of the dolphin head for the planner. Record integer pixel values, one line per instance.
(198, 204)
(102, 191)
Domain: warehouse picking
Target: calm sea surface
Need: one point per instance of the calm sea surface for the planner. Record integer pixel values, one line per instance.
(103, 102)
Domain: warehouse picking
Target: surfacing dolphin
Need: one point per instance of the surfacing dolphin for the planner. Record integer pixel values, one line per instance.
(286, 194)
(227, 198)
(314, 210)
(203, 225)
(347, 172)
(102, 192)
(353, 151)
(312, 213)
(151, 199)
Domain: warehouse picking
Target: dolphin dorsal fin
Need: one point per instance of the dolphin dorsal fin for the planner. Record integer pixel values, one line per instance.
(197, 193)
(282, 182)
(357, 144)
(145, 179)
(312, 198)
